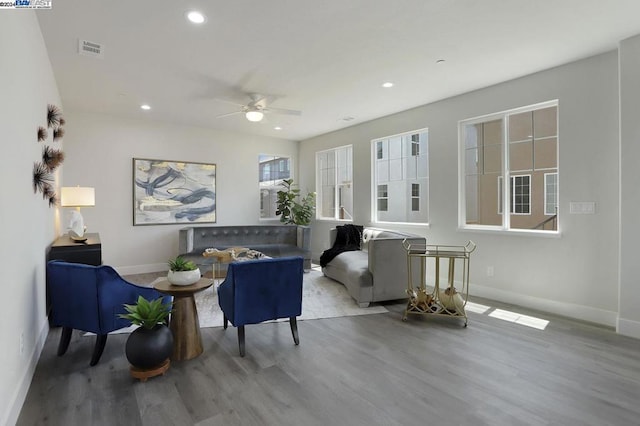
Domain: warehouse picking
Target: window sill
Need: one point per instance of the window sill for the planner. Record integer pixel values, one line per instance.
(404, 224)
(512, 232)
(327, 219)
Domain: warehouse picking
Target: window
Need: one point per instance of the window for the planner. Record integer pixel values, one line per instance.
(415, 145)
(522, 145)
(520, 194)
(415, 197)
(383, 200)
(272, 170)
(334, 178)
(550, 193)
(401, 168)
(379, 154)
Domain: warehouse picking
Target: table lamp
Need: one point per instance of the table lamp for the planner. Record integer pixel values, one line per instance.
(76, 196)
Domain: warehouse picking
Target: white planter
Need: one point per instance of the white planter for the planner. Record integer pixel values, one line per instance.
(183, 277)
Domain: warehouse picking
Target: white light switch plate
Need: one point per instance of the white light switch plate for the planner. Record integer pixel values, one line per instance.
(582, 207)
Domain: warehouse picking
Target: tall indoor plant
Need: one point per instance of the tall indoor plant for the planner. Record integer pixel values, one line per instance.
(292, 208)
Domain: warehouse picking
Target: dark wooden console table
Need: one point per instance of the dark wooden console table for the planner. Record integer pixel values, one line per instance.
(88, 252)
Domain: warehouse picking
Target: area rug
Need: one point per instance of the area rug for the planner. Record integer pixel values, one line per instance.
(322, 297)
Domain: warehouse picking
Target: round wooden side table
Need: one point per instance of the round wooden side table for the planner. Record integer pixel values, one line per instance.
(184, 324)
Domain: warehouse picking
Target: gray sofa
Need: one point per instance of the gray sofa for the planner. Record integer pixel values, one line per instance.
(272, 240)
(376, 273)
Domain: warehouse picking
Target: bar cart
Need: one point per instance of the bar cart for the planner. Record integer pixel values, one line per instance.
(435, 300)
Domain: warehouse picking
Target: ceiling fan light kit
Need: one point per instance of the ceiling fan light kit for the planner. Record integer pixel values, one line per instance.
(254, 115)
(256, 108)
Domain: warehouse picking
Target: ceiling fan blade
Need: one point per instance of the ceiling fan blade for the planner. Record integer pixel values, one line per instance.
(230, 114)
(227, 101)
(283, 111)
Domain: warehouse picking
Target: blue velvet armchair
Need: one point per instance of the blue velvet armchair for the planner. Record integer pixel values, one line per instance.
(89, 298)
(262, 290)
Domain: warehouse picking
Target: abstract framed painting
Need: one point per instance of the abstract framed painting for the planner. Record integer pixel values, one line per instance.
(173, 192)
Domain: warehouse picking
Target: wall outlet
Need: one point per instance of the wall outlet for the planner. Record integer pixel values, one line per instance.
(22, 343)
(489, 271)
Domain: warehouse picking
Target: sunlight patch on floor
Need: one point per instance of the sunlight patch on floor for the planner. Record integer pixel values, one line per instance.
(476, 308)
(521, 319)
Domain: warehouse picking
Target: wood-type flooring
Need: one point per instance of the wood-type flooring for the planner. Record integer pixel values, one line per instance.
(361, 370)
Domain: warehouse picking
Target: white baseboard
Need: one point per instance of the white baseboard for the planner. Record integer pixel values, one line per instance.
(141, 269)
(628, 328)
(580, 312)
(22, 388)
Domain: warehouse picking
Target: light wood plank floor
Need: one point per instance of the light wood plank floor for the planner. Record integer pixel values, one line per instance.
(364, 370)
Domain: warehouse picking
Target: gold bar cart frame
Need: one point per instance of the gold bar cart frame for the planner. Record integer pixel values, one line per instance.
(452, 301)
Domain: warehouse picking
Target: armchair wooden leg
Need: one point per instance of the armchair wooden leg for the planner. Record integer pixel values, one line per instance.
(101, 340)
(294, 329)
(241, 339)
(225, 322)
(65, 338)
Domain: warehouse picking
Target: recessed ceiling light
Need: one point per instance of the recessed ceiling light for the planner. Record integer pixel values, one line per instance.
(348, 118)
(145, 107)
(440, 61)
(277, 128)
(196, 17)
(387, 84)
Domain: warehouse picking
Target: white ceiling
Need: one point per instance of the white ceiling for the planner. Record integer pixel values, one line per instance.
(325, 58)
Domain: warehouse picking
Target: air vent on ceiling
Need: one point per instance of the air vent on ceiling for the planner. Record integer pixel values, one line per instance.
(90, 48)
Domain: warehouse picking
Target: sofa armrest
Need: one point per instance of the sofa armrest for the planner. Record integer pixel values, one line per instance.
(185, 240)
(388, 259)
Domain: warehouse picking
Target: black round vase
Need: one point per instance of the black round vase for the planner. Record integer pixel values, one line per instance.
(147, 348)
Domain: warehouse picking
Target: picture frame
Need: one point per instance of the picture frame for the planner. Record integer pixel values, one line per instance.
(173, 192)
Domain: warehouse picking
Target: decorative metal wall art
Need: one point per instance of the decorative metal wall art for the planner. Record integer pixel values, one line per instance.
(51, 158)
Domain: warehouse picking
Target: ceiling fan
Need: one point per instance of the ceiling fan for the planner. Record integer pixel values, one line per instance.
(256, 108)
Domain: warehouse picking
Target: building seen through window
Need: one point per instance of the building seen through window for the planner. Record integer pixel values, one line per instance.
(401, 174)
(523, 145)
(272, 170)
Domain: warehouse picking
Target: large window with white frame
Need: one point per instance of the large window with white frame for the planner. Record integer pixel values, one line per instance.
(272, 170)
(334, 183)
(401, 178)
(521, 147)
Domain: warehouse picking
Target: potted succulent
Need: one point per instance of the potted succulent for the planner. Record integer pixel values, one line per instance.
(151, 344)
(182, 271)
(291, 208)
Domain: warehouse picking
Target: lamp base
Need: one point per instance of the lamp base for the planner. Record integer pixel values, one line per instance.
(77, 238)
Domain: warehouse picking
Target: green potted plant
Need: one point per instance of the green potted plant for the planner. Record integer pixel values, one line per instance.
(182, 271)
(293, 209)
(151, 344)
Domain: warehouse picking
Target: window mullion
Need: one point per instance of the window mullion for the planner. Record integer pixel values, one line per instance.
(506, 180)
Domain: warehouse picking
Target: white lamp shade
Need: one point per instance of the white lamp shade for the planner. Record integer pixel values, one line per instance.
(254, 115)
(77, 196)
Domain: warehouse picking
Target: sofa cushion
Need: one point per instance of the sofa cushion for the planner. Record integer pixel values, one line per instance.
(350, 268)
(279, 250)
(272, 240)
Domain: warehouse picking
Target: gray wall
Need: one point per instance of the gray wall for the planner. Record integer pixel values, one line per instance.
(575, 274)
(26, 87)
(99, 153)
(629, 321)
